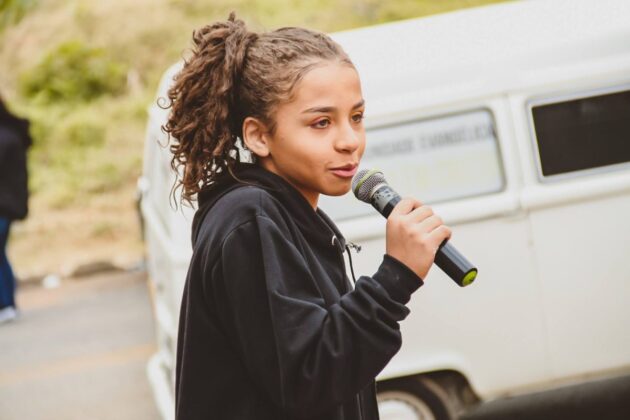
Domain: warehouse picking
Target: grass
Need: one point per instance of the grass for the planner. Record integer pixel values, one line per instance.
(88, 122)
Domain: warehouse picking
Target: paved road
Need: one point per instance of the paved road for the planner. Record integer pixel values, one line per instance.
(79, 352)
(602, 399)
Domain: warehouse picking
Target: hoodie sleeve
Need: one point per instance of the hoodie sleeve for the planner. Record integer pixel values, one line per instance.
(306, 356)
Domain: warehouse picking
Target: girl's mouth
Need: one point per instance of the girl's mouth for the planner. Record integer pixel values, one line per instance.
(347, 171)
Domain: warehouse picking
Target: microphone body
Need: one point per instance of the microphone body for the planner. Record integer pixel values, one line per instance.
(383, 198)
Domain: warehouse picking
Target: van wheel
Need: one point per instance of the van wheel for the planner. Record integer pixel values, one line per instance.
(415, 398)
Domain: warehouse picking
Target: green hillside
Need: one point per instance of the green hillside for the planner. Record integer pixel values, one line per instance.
(85, 72)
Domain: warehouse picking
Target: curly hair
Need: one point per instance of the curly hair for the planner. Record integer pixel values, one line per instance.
(233, 74)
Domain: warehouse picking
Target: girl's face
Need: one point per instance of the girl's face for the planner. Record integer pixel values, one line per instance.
(319, 137)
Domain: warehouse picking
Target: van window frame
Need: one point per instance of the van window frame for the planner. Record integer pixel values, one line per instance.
(565, 97)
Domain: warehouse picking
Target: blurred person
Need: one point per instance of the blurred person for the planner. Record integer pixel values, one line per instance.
(270, 326)
(14, 142)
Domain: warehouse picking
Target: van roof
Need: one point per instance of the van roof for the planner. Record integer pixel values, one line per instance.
(479, 50)
(493, 45)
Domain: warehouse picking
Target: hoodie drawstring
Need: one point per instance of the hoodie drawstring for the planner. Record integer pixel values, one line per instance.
(357, 248)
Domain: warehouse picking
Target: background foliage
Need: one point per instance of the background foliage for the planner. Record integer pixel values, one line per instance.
(11, 11)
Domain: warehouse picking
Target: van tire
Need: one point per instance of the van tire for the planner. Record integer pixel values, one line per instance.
(420, 395)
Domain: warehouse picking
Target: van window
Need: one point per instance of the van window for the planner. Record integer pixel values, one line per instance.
(437, 159)
(584, 133)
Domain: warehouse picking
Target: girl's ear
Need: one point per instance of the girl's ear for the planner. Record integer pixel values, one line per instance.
(255, 136)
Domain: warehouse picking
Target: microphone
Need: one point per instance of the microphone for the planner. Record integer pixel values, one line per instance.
(370, 186)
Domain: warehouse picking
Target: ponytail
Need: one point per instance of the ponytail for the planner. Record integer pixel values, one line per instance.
(201, 121)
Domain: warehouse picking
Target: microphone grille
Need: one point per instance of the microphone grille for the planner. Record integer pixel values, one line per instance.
(364, 182)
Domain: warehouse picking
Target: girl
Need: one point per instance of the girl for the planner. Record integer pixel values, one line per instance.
(270, 327)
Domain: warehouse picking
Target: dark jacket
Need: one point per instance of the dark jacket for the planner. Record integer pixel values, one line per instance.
(13, 175)
(270, 327)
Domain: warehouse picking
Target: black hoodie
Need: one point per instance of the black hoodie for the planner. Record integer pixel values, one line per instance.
(270, 326)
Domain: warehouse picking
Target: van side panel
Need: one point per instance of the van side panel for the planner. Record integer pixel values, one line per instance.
(584, 258)
(491, 331)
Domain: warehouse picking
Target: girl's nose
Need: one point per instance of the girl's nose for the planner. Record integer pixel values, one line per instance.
(349, 139)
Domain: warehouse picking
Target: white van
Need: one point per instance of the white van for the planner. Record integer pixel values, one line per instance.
(513, 122)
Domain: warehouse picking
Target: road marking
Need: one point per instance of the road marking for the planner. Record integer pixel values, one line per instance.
(78, 364)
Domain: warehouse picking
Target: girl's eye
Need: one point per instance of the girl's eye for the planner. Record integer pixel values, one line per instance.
(357, 118)
(321, 123)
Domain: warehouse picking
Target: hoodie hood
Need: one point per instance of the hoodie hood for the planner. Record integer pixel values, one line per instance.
(315, 225)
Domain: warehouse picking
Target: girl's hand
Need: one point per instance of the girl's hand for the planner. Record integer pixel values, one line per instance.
(414, 235)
